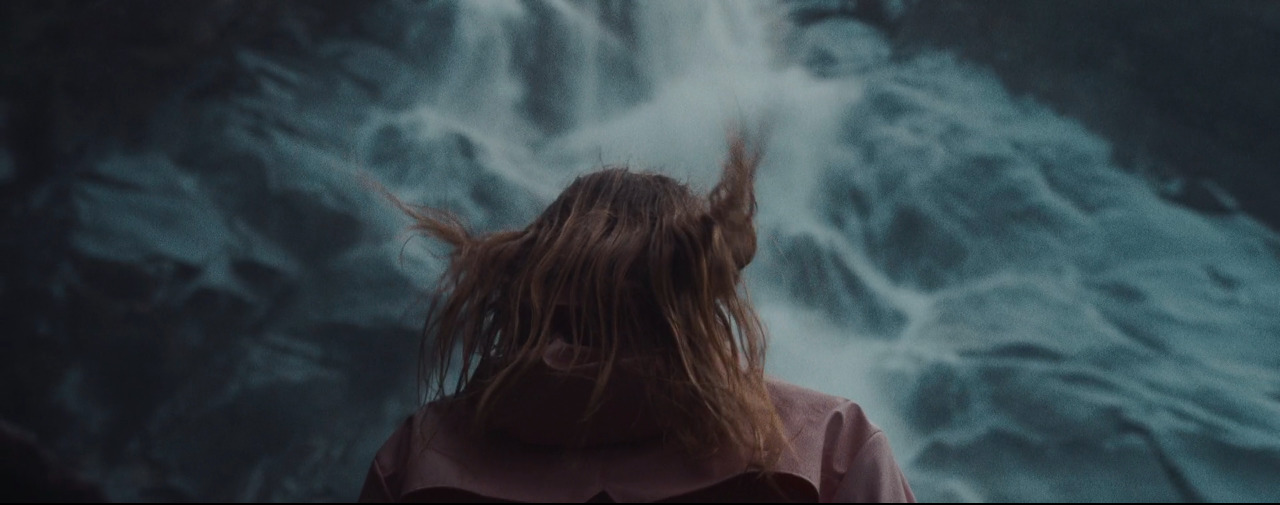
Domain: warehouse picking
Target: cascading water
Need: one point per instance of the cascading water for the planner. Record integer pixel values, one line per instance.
(1026, 321)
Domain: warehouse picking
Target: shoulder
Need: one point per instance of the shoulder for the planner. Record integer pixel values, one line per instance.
(837, 447)
(432, 448)
(827, 434)
(432, 426)
(800, 406)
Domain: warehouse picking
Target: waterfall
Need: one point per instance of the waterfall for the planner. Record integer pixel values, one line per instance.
(1024, 319)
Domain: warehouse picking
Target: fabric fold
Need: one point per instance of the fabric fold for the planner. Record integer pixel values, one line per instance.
(835, 454)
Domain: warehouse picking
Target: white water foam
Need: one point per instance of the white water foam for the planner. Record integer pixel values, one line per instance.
(1025, 320)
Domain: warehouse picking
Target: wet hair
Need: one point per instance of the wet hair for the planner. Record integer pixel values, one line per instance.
(628, 264)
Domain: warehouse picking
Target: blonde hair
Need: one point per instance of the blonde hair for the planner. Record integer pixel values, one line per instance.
(627, 264)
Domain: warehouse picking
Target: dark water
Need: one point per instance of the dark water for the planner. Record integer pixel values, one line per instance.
(1037, 295)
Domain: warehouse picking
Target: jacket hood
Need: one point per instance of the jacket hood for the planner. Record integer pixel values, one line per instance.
(836, 453)
(548, 405)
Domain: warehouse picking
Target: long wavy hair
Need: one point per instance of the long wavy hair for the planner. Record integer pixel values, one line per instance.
(627, 264)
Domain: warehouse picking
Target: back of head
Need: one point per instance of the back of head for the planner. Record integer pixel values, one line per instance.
(632, 266)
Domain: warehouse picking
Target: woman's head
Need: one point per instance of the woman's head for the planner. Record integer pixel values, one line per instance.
(629, 265)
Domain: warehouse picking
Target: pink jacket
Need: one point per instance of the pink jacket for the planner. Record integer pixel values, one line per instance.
(838, 455)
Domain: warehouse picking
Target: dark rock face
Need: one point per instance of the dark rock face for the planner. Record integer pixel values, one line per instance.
(1184, 90)
(189, 317)
(146, 345)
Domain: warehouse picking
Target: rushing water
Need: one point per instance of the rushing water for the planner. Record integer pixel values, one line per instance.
(1024, 319)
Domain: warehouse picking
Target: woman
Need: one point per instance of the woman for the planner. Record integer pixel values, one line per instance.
(608, 352)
